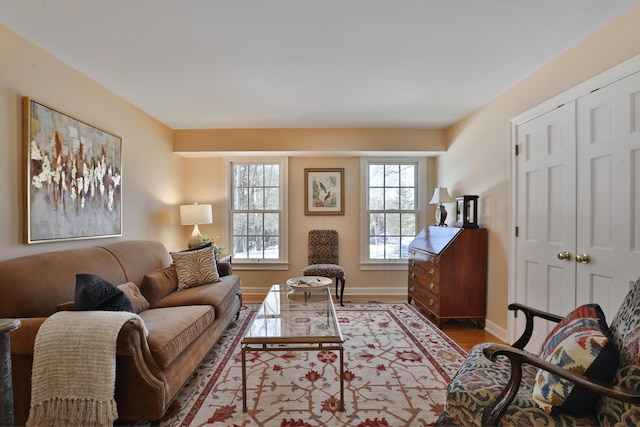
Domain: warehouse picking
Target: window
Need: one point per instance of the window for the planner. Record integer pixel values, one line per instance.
(257, 211)
(392, 208)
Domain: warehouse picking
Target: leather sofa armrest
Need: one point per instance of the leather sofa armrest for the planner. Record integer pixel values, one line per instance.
(131, 340)
(23, 339)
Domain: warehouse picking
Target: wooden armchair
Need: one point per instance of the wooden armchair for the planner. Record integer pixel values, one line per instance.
(495, 384)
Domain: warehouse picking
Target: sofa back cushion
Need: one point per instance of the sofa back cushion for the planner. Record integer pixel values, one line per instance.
(139, 257)
(33, 285)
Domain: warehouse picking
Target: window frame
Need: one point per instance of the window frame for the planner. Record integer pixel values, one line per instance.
(367, 263)
(281, 263)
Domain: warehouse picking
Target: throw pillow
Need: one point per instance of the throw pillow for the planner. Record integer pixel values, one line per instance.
(159, 284)
(581, 343)
(222, 270)
(132, 292)
(95, 293)
(194, 268)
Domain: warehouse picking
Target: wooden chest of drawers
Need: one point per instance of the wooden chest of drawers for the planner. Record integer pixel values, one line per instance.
(448, 273)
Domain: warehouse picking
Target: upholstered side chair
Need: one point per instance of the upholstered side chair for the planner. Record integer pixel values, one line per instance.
(323, 258)
(503, 385)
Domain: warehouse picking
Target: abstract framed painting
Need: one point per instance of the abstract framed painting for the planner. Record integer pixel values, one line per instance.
(73, 176)
(324, 191)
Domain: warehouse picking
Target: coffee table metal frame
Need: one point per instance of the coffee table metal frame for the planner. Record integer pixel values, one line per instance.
(312, 302)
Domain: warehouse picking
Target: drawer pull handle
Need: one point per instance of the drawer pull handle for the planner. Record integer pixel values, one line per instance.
(431, 302)
(413, 275)
(413, 263)
(412, 289)
(432, 272)
(431, 285)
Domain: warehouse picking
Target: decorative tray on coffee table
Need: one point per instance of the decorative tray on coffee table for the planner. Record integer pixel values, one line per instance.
(308, 283)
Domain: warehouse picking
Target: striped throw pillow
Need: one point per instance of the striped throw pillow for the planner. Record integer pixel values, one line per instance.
(195, 268)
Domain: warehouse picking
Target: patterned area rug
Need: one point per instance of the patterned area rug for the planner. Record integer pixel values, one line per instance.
(397, 367)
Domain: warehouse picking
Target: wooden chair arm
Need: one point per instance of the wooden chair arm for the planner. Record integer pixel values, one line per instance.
(530, 313)
(517, 357)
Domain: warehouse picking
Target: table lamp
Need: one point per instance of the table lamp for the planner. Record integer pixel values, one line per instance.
(193, 215)
(440, 196)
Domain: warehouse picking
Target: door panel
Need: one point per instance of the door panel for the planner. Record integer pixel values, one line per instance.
(608, 207)
(546, 216)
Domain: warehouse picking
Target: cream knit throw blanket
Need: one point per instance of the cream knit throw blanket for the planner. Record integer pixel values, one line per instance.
(74, 369)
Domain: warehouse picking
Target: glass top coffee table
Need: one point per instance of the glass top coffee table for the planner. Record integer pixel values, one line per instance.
(302, 319)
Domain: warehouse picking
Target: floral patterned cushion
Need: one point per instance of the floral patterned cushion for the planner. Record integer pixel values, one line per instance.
(324, 270)
(581, 343)
(323, 247)
(625, 329)
(478, 383)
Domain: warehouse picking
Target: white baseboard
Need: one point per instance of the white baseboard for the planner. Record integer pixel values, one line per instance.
(495, 330)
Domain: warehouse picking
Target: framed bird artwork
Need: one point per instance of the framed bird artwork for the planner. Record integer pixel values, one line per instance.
(324, 191)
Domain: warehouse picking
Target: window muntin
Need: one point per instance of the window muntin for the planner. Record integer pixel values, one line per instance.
(256, 211)
(392, 209)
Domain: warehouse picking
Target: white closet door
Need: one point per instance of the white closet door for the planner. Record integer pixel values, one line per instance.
(608, 202)
(546, 201)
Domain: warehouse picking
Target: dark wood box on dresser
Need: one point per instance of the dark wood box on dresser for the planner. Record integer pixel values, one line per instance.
(448, 273)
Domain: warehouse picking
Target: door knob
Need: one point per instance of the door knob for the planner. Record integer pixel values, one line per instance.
(584, 258)
(564, 255)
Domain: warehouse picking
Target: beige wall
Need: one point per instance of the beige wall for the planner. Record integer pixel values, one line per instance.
(152, 173)
(205, 184)
(478, 158)
(310, 140)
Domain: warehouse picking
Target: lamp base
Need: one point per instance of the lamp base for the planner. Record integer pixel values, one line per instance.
(194, 240)
(441, 216)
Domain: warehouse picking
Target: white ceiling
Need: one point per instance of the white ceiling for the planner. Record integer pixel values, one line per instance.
(307, 63)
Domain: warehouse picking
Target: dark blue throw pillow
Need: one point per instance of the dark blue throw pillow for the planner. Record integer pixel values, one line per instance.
(95, 293)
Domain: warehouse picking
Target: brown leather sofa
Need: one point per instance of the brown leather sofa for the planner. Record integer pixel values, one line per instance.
(182, 325)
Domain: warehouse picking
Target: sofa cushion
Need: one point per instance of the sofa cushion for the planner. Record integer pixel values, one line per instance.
(221, 296)
(581, 343)
(138, 301)
(160, 283)
(95, 293)
(173, 329)
(196, 267)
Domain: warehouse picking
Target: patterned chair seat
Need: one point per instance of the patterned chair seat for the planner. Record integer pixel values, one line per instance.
(323, 258)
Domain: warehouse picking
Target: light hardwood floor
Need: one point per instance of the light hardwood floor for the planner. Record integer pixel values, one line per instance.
(465, 333)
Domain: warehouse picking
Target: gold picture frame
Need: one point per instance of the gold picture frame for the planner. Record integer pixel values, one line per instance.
(73, 174)
(324, 191)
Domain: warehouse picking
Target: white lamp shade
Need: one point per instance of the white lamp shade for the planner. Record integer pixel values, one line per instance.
(440, 195)
(196, 214)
